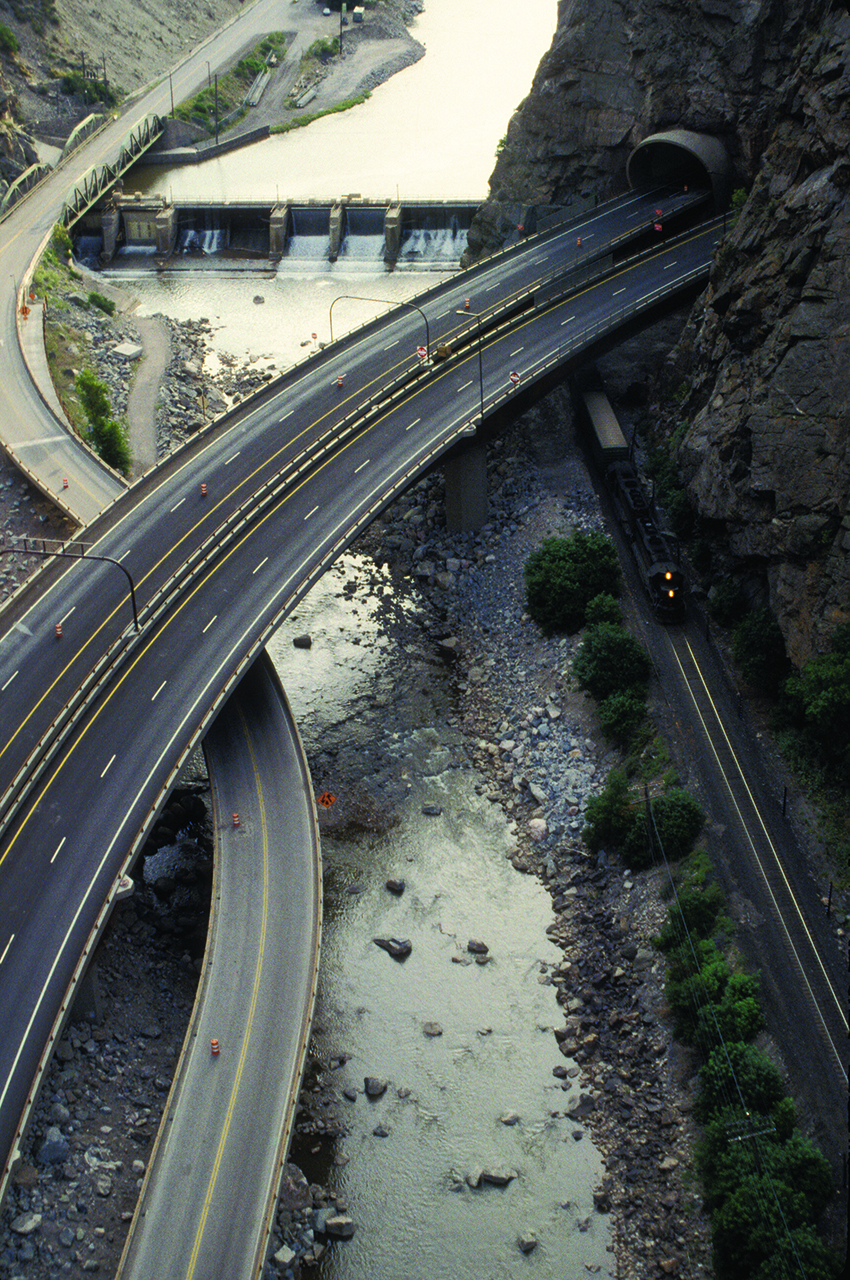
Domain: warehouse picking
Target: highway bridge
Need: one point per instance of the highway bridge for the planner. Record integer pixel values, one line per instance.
(221, 541)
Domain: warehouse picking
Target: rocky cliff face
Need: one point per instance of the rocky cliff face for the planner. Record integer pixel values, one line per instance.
(766, 458)
(765, 354)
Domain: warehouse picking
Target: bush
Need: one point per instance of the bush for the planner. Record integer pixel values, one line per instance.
(759, 650)
(105, 435)
(609, 814)
(610, 660)
(564, 574)
(603, 608)
(758, 1079)
(9, 42)
(621, 715)
(678, 822)
(102, 303)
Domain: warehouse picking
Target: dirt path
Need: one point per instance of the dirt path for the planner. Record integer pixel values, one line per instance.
(142, 400)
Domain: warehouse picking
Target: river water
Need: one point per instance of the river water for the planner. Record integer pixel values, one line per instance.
(377, 708)
(431, 131)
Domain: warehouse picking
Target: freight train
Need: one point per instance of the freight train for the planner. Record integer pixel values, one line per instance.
(653, 552)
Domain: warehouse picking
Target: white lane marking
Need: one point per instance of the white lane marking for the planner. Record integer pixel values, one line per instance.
(209, 624)
(669, 265)
(616, 291)
(567, 321)
(413, 423)
(68, 614)
(177, 504)
(124, 555)
(516, 353)
(8, 682)
(159, 691)
(362, 465)
(311, 513)
(464, 386)
(108, 767)
(287, 415)
(11, 936)
(57, 849)
(232, 457)
(491, 287)
(390, 345)
(259, 566)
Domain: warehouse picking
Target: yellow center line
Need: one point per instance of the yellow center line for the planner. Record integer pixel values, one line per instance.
(258, 968)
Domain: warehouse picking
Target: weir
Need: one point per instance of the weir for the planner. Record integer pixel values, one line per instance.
(411, 235)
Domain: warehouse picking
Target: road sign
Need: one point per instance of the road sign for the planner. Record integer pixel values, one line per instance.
(514, 376)
(326, 799)
(421, 352)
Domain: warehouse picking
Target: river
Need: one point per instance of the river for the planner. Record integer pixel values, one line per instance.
(375, 709)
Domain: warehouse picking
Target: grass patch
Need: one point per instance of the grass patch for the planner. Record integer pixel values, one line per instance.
(300, 122)
(232, 88)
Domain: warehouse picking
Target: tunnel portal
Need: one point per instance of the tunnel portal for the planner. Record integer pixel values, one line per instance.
(681, 157)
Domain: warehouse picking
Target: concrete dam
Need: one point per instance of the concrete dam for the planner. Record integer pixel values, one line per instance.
(136, 229)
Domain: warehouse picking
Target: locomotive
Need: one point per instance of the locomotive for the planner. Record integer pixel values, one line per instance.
(660, 573)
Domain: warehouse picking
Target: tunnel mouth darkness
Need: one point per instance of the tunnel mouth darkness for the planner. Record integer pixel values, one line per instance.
(680, 157)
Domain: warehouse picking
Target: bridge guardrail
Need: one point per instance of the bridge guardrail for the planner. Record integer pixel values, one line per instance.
(332, 439)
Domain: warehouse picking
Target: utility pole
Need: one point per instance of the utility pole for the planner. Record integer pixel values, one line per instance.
(216, 106)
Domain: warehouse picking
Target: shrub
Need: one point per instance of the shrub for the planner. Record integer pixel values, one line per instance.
(758, 1079)
(564, 574)
(9, 42)
(621, 715)
(610, 660)
(609, 814)
(102, 303)
(106, 436)
(678, 822)
(603, 608)
(759, 650)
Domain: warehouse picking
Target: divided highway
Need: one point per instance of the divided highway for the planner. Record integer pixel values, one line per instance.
(290, 480)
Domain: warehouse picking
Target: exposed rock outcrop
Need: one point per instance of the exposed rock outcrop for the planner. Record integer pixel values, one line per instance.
(764, 355)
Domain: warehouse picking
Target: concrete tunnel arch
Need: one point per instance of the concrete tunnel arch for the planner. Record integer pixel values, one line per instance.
(681, 156)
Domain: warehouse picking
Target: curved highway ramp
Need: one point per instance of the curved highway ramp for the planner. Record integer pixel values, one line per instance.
(207, 1202)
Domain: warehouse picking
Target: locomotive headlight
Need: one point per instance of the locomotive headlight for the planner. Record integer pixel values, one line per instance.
(668, 575)
(671, 594)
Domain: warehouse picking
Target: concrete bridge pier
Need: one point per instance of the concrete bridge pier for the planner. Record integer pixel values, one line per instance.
(392, 234)
(165, 222)
(465, 474)
(337, 212)
(110, 224)
(278, 224)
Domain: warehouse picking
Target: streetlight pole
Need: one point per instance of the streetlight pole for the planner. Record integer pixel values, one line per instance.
(351, 297)
(477, 314)
(34, 550)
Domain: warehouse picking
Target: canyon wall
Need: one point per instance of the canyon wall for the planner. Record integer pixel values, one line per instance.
(761, 369)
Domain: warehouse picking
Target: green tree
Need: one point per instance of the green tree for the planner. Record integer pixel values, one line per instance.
(621, 715)
(105, 435)
(733, 1068)
(610, 660)
(603, 608)
(678, 822)
(564, 574)
(609, 814)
